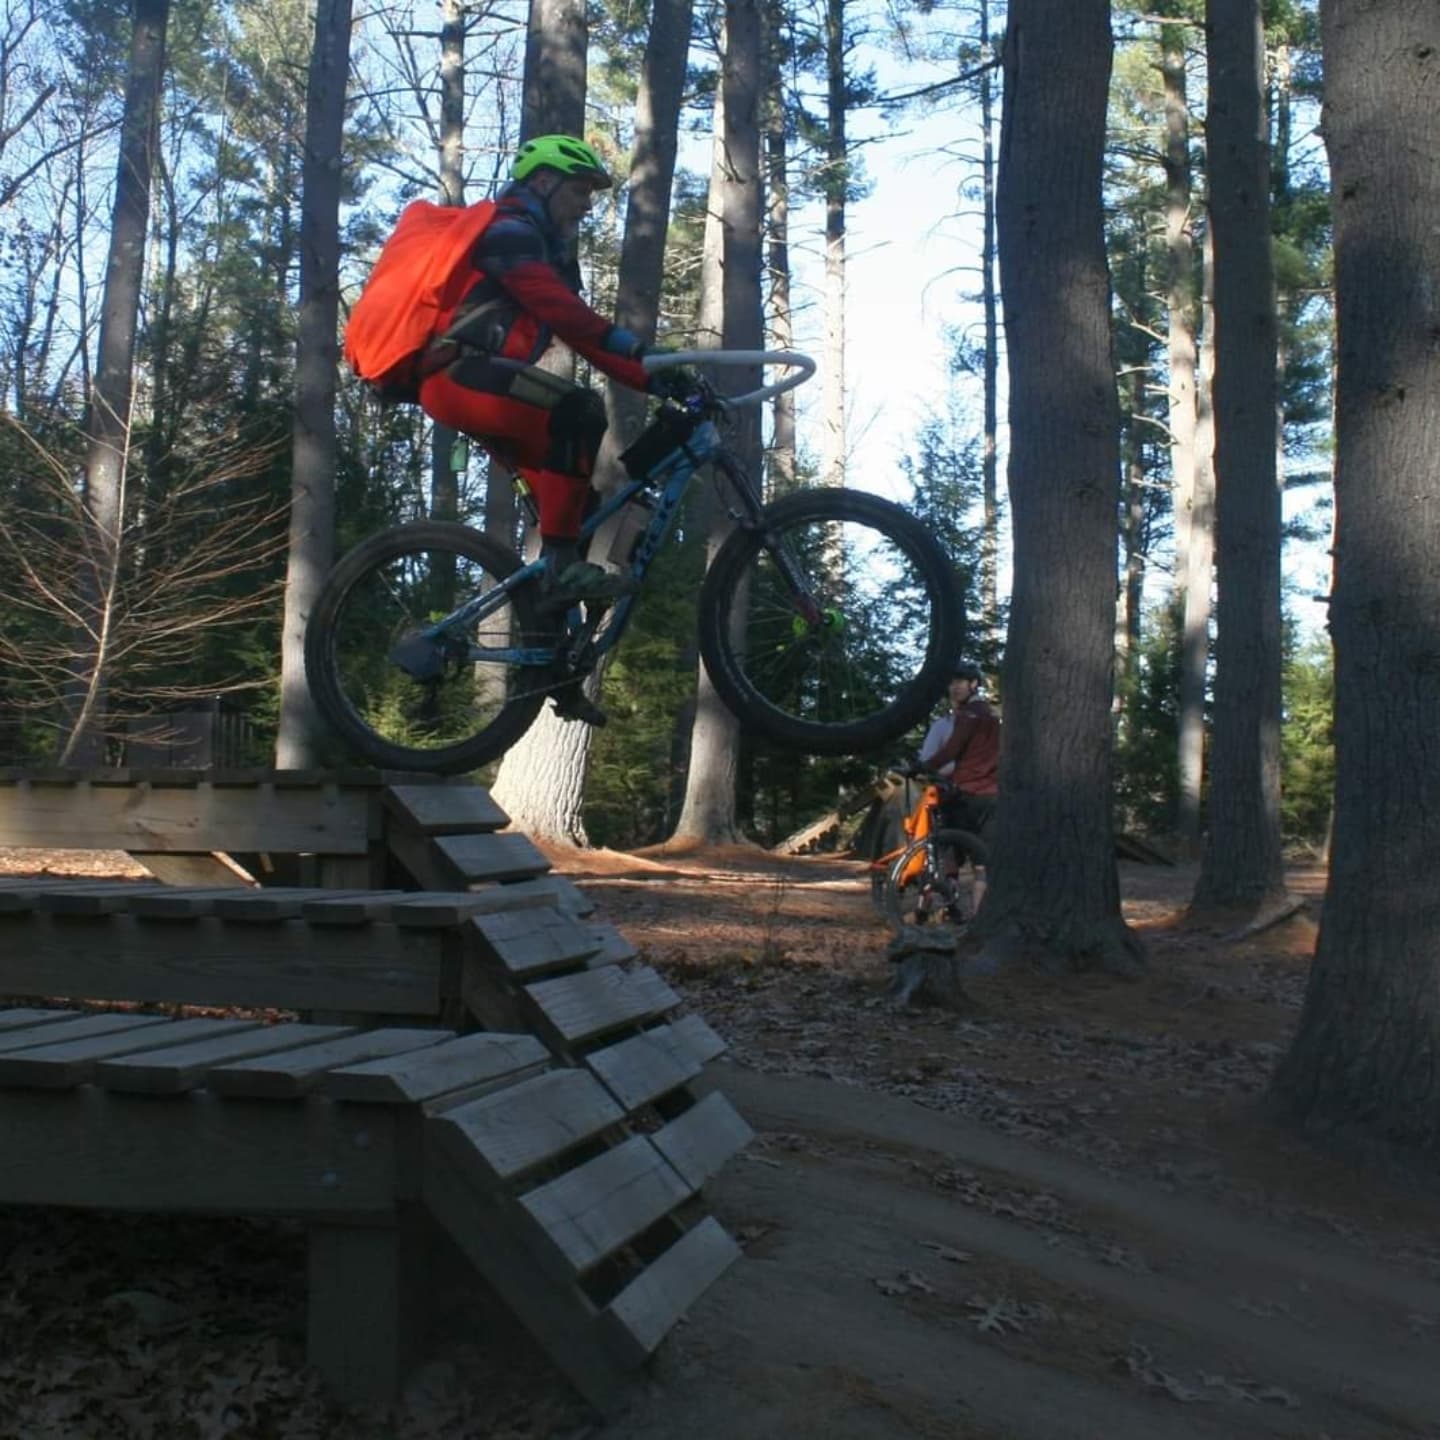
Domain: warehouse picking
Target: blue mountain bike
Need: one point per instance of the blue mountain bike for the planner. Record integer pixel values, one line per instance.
(828, 620)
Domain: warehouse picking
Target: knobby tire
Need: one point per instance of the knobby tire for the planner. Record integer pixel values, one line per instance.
(330, 681)
(823, 711)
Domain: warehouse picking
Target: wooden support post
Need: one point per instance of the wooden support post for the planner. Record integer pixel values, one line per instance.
(367, 1320)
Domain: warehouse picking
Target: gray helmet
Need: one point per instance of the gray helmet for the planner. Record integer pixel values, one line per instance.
(966, 670)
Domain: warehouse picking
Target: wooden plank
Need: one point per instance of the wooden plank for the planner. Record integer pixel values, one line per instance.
(18, 897)
(78, 897)
(288, 965)
(489, 1229)
(92, 1148)
(21, 1019)
(78, 1027)
(180, 1067)
(354, 907)
(589, 1212)
(207, 868)
(63, 1063)
(571, 898)
(646, 1310)
(646, 1066)
(701, 1140)
(183, 812)
(587, 1004)
(703, 1043)
(366, 1312)
(295, 1072)
(522, 1126)
(432, 909)
(612, 948)
(489, 857)
(552, 890)
(268, 904)
(444, 809)
(530, 942)
(180, 903)
(423, 1074)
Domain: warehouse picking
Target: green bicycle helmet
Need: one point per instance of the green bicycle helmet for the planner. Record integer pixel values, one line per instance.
(563, 153)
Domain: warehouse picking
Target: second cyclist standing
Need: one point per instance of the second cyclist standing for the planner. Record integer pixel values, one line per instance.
(963, 746)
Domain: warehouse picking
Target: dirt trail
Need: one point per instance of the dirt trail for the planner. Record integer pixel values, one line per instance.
(909, 1275)
(1058, 1216)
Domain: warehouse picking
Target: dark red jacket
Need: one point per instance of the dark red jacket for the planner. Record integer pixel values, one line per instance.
(974, 746)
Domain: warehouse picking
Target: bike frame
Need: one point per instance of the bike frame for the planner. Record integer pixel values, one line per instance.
(917, 825)
(584, 643)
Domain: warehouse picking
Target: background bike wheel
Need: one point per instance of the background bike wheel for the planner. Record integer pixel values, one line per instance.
(892, 628)
(390, 586)
(930, 892)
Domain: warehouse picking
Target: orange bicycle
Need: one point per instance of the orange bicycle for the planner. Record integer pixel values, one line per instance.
(927, 878)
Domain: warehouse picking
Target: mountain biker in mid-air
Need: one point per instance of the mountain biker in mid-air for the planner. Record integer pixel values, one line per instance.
(518, 292)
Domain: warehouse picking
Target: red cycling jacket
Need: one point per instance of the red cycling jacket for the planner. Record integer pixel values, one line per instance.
(521, 288)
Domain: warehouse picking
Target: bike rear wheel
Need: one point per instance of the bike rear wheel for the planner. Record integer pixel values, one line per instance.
(857, 653)
(372, 615)
(916, 894)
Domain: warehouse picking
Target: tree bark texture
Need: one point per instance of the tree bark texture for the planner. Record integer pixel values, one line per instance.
(444, 479)
(1366, 1058)
(1242, 868)
(312, 502)
(989, 451)
(709, 813)
(1192, 523)
(1054, 892)
(1200, 561)
(837, 166)
(781, 330)
(555, 45)
(108, 421)
(541, 781)
(647, 214)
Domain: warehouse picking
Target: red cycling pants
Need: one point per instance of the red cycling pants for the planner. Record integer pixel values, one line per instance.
(524, 437)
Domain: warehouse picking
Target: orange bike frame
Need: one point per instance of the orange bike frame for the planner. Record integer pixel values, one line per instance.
(917, 825)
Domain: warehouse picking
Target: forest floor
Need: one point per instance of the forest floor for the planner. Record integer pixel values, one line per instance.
(1062, 1213)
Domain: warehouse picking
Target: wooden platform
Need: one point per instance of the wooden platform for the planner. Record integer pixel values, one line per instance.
(485, 1057)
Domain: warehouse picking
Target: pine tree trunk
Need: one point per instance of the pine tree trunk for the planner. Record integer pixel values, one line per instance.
(108, 428)
(555, 49)
(1199, 568)
(709, 813)
(837, 164)
(647, 215)
(1242, 871)
(1054, 893)
(990, 440)
(444, 478)
(782, 465)
(541, 780)
(1192, 567)
(1362, 1067)
(312, 503)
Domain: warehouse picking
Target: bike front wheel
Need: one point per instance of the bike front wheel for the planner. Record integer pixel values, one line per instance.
(405, 695)
(832, 626)
(921, 888)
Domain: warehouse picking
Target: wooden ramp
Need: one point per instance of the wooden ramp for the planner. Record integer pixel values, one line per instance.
(481, 1054)
(588, 1228)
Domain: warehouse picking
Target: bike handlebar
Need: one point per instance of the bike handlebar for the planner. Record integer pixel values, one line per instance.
(802, 364)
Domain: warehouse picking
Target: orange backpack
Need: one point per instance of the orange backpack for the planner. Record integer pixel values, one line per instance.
(395, 317)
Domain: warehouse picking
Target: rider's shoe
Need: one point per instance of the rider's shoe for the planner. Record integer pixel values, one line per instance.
(572, 703)
(580, 581)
